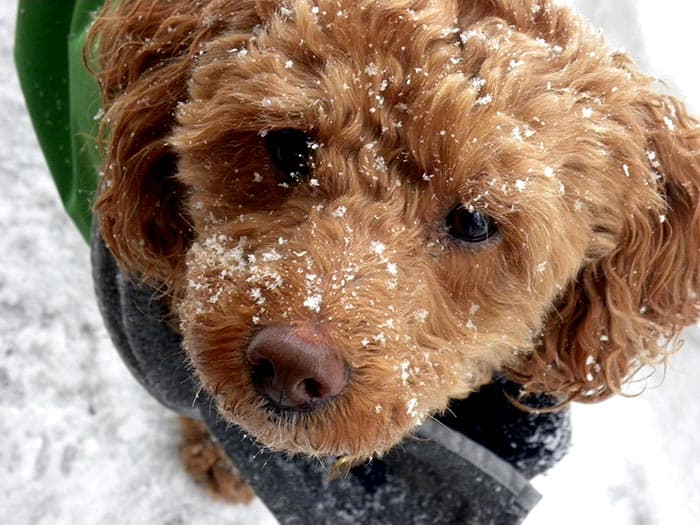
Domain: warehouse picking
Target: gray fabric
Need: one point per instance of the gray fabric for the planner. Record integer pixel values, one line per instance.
(439, 477)
(490, 464)
(421, 481)
(137, 323)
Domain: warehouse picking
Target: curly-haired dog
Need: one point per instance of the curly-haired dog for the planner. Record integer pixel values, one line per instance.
(363, 209)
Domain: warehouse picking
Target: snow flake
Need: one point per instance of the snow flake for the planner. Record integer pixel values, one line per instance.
(653, 159)
(466, 36)
(411, 407)
(405, 371)
(372, 69)
(257, 296)
(484, 101)
(421, 315)
(477, 82)
(313, 303)
(377, 247)
(380, 164)
(271, 255)
(669, 124)
(215, 298)
(380, 338)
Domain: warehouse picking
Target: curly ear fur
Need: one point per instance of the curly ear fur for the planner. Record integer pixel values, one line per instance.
(624, 308)
(142, 54)
(638, 288)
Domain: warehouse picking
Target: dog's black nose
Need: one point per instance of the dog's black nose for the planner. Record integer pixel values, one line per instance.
(295, 367)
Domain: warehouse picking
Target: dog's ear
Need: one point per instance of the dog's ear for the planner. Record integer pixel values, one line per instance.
(142, 54)
(617, 315)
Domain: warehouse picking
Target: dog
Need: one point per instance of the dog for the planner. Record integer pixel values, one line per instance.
(361, 210)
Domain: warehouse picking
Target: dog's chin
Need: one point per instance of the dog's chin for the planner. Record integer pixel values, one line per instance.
(322, 431)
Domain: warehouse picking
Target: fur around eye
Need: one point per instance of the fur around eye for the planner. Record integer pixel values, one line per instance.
(468, 225)
(289, 151)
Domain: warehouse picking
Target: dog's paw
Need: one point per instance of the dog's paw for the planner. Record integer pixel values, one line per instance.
(209, 466)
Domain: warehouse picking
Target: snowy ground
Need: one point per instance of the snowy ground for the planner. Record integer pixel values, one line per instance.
(82, 444)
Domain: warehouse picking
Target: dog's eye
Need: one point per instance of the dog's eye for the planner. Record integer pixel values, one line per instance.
(469, 225)
(289, 150)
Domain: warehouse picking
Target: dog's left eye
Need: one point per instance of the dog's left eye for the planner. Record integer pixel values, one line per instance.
(289, 150)
(468, 225)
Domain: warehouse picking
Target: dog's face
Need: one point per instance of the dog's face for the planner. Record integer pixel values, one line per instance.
(382, 204)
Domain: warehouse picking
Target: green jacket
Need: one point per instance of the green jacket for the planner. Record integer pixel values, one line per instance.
(62, 98)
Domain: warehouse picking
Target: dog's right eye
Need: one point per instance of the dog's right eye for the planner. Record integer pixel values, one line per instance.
(289, 150)
(471, 226)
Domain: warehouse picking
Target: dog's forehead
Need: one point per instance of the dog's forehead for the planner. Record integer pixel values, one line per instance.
(360, 49)
(385, 71)
(413, 85)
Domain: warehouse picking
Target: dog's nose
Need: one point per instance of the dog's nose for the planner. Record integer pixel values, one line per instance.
(295, 367)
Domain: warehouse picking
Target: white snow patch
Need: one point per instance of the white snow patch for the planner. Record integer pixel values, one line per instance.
(484, 101)
(313, 303)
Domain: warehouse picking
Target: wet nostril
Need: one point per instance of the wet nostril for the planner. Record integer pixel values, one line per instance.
(263, 373)
(313, 389)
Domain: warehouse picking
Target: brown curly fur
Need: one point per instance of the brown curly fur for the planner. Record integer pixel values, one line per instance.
(513, 107)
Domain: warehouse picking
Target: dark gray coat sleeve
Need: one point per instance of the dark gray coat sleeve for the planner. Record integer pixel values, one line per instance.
(437, 476)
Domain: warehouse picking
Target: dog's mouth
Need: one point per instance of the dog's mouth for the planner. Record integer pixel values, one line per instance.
(277, 413)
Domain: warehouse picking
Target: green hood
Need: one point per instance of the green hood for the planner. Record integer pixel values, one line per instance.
(62, 98)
